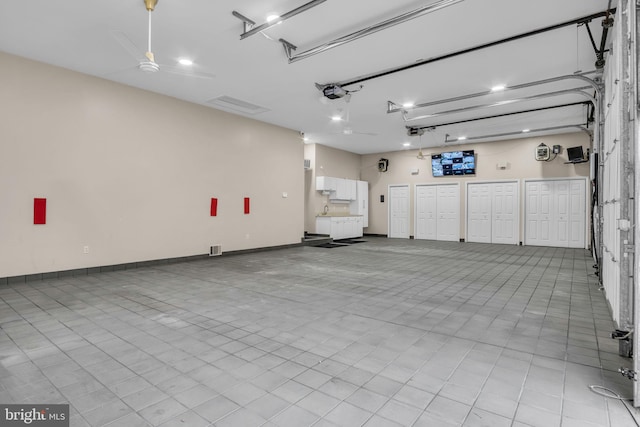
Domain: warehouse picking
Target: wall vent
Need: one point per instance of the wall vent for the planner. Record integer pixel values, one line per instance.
(230, 103)
(307, 164)
(215, 250)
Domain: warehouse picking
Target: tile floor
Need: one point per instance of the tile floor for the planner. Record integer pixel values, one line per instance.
(383, 333)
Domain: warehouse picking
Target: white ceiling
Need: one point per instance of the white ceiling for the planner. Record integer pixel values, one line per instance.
(82, 35)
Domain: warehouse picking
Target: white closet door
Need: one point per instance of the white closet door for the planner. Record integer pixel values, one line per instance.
(556, 213)
(399, 211)
(426, 220)
(479, 213)
(504, 226)
(561, 214)
(448, 224)
(577, 213)
(538, 213)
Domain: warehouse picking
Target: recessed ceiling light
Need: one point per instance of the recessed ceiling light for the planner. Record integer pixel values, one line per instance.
(525, 130)
(406, 144)
(272, 17)
(336, 118)
(462, 138)
(185, 61)
(408, 104)
(498, 88)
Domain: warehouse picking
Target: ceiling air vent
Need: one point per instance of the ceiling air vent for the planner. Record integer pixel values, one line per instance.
(229, 103)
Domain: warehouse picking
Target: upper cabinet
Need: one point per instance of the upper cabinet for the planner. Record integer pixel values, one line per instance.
(345, 190)
(326, 183)
(340, 190)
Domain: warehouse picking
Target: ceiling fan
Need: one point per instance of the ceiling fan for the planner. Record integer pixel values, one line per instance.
(147, 62)
(420, 132)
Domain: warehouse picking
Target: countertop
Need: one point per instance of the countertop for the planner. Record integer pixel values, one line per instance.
(335, 214)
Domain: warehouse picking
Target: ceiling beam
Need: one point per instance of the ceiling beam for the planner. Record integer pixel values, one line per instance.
(250, 30)
(577, 21)
(495, 116)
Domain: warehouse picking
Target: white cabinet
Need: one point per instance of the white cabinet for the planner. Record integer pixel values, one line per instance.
(326, 183)
(360, 206)
(340, 190)
(345, 190)
(339, 227)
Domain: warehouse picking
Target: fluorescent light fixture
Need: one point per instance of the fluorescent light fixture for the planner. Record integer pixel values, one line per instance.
(273, 17)
(408, 105)
(185, 61)
(462, 138)
(498, 88)
(336, 118)
(406, 144)
(525, 130)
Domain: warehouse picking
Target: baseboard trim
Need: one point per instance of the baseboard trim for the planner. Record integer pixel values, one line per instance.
(13, 280)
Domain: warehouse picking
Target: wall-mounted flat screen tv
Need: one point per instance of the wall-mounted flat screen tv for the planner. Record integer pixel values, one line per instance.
(575, 154)
(453, 163)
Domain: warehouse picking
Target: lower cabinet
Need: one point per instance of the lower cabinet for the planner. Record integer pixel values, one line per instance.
(340, 227)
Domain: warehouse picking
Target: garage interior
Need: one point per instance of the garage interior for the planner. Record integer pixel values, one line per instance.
(271, 214)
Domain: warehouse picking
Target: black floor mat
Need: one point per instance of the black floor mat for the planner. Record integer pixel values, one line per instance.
(331, 245)
(350, 241)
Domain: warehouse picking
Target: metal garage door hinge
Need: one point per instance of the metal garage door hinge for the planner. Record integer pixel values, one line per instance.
(628, 373)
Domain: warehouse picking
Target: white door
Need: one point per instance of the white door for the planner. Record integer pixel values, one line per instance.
(560, 225)
(479, 213)
(538, 214)
(492, 212)
(504, 218)
(448, 208)
(577, 214)
(399, 211)
(555, 213)
(426, 219)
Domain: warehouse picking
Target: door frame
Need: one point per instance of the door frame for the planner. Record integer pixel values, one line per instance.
(493, 181)
(408, 187)
(587, 199)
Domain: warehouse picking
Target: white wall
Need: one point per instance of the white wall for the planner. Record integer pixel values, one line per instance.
(130, 174)
(327, 161)
(517, 154)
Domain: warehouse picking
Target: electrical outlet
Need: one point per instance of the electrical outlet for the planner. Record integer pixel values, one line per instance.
(85, 249)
